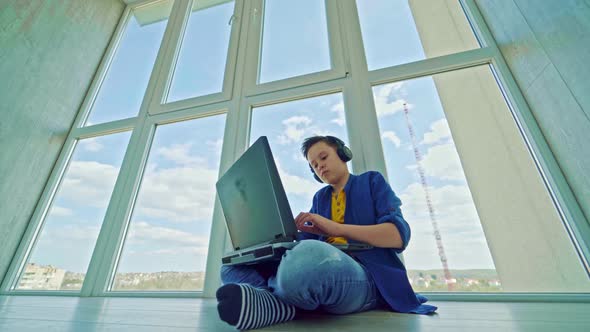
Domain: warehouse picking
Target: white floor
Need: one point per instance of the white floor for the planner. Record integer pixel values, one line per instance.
(42, 314)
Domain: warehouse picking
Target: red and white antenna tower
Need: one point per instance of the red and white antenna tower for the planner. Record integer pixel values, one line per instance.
(441, 250)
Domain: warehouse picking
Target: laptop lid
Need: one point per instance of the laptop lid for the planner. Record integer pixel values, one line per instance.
(254, 201)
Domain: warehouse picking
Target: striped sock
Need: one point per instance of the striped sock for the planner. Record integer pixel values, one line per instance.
(248, 307)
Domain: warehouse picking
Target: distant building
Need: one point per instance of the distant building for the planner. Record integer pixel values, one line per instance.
(46, 277)
(451, 281)
(495, 283)
(422, 283)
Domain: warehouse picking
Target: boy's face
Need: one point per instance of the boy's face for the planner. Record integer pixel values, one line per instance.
(325, 162)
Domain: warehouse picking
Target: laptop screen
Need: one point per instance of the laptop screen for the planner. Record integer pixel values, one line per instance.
(253, 199)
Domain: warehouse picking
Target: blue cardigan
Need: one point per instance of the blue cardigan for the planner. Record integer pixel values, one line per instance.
(369, 201)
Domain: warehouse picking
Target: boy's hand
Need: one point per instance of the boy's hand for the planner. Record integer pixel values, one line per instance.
(316, 224)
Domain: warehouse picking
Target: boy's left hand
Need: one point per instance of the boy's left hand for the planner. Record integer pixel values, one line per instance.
(316, 224)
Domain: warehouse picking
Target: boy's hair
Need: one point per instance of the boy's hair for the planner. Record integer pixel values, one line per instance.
(310, 141)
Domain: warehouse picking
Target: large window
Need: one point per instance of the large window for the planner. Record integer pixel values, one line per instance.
(187, 85)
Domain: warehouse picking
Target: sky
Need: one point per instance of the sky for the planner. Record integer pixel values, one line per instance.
(171, 222)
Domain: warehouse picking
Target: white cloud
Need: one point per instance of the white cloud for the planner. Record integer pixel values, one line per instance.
(439, 131)
(297, 185)
(294, 129)
(67, 246)
(395, 88)
(384, 107)
(389, 99)
(65, 234)
(443, 162)
(142, 232)
(216, 145)
(89, 183)
(82, 233)
(151, 248)
(180, 154)
(298, 157)
(178, 251)
(392, 137)
(215, 148)
(178, 194)
(58, 211)
(462, 236)
(91, 144)
(339, 109)
(446, 199)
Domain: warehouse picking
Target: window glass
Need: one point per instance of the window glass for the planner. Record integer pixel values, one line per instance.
(294, 39)
(121, 93)
(396, 32)
(168, 239)
(448, 250)
(201, 62)
(61, 255)
(286, 125)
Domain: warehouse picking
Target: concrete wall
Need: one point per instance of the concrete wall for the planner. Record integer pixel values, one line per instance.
(49, 52)
(547, 47)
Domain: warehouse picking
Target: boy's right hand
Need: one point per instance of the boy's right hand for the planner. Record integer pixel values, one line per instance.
(315, 224)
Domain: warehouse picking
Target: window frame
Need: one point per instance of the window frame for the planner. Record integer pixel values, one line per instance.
(254, 52)
(172, 49)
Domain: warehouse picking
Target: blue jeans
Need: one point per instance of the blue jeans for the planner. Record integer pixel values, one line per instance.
(313, 275)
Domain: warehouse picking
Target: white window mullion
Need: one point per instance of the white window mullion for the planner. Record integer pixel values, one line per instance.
(171, 44)
(115, 222)
(335, 35)
(234, 138)
(112, 232)
(103, 68)
(159, 105)
(254, 51)
(253, 37)
(105, 128)
(432, 66)
(359, 106)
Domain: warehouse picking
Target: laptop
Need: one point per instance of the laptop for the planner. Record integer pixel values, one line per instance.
(257, 213)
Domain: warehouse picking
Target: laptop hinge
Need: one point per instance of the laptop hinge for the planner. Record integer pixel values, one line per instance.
(282, 238)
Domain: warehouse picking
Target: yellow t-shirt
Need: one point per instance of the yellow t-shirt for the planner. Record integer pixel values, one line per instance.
(338, 207)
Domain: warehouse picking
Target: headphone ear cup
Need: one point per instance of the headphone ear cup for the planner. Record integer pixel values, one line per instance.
(344, 153)
(317, 178)
(342, 150)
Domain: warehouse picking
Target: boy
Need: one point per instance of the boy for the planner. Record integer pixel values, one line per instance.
(315, 275)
